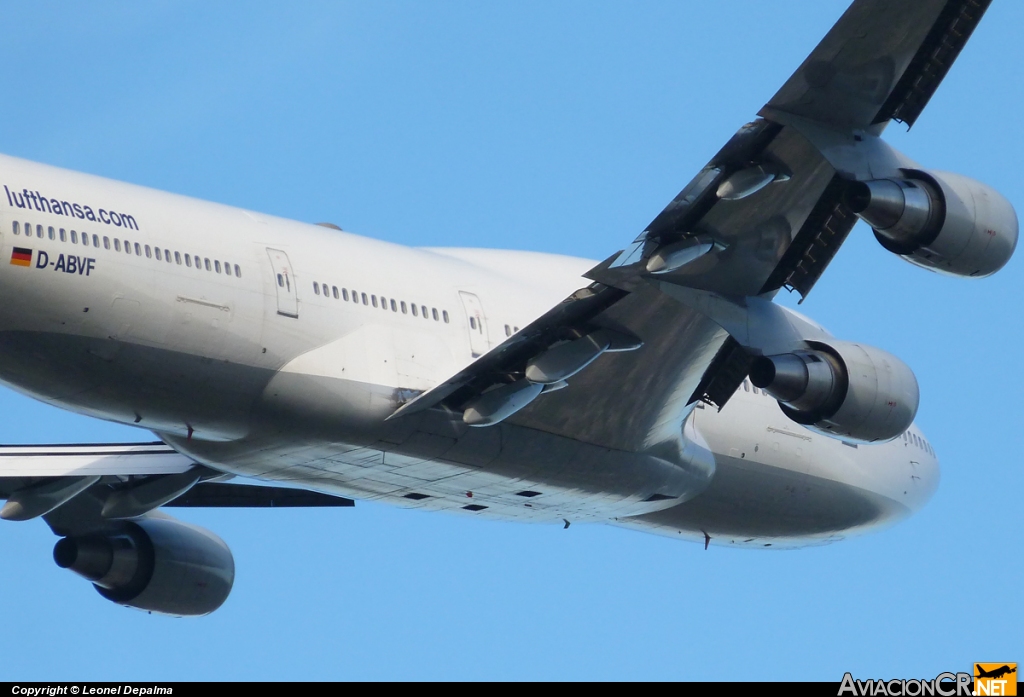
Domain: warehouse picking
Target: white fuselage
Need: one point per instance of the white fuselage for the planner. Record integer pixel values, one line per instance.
(275, 349)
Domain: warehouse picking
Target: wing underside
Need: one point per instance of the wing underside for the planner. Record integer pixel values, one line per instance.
(41, 478)
(881, 61)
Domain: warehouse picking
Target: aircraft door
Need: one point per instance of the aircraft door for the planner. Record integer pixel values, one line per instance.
(284, 283)
(476, 323)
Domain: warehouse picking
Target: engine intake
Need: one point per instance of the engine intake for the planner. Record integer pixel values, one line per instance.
(156, 564)
(939, 221)
(842, 389)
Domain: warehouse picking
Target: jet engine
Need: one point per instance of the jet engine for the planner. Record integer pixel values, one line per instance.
(155, 563)
(842, 389)
(940, 221)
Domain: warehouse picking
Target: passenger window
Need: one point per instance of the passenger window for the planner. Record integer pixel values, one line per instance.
(167, 255)
(49, 232)
(188, 262)
(106, 242)
(444, 313)
(216, 266)
(344, 294)
(238, 271)
(206, 263)
(227, 268)
(365, 299)
(746, 388)
(404, 309)
(334, 290)
(433, 312)
(138, 250)
(423, 309)
(280, 278)
(117, 244)
(63, 235)
(74, 237)
(85, 239)
(394, 305)
(515, 330)
(95, 240)
(374, 299)
(149, 252)
(156, 251)
(16, 227)
(508, 330)
(316, 287)
(127, 247)
(177, 258)
(39, 231)
(472, 322)
(414, 312)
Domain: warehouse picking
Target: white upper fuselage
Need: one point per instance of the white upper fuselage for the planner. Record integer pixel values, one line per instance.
(276, 349)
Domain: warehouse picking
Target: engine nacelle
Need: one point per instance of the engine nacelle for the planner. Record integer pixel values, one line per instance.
(940, 221)
(842, 389)
(156, 564)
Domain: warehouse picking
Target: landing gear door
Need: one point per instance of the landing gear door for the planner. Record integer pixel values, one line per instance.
(476, 323)
(284, 283)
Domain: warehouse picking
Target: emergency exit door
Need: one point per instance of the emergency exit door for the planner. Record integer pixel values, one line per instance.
(476, 323)
(284, 283)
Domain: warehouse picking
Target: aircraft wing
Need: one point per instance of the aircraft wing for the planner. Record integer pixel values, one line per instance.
(92, 459)
(39, 478)
(882, 61)
(765, 213)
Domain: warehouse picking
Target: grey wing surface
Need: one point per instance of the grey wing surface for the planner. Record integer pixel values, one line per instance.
(765, 213)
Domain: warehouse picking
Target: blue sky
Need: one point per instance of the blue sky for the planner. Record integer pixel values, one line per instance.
(560, 127)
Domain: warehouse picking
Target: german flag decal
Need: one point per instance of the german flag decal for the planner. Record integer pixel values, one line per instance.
(21, 256)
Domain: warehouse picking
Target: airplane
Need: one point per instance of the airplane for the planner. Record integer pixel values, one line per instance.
(995, 672)
(661, 389)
